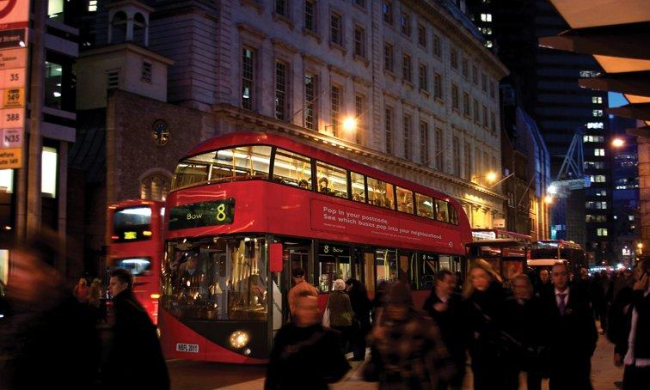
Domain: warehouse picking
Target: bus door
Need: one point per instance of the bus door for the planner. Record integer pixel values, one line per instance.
(295, 254)
(334, 262)
(368, 269)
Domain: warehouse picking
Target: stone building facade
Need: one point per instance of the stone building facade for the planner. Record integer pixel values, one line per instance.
(414, 74)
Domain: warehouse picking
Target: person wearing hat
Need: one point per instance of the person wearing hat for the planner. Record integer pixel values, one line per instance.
(411, 354)
(299, 284)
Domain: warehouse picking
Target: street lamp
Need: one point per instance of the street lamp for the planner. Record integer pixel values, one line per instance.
(348, 124)
(618, 142)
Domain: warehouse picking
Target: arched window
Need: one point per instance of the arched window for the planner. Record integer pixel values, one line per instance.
(155, 186)
(119, 27)
(139, 28)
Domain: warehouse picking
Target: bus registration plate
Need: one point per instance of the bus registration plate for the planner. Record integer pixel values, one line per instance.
(182, 347)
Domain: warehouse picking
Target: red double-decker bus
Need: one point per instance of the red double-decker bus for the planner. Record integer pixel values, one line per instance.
(135, 243)
(247, 208)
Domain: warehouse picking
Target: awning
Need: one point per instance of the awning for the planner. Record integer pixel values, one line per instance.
(616, 33)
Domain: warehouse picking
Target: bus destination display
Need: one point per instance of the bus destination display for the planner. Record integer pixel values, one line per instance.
(219, 212)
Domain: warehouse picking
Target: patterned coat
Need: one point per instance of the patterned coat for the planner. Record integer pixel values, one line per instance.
(412, 353)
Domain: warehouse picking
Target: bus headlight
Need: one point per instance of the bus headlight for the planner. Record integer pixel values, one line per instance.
(239, 339)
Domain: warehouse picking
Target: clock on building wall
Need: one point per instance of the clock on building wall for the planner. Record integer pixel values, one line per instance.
(160, 132)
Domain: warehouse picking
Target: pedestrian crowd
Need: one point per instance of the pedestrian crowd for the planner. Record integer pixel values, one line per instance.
(52, 338)
(542, 323)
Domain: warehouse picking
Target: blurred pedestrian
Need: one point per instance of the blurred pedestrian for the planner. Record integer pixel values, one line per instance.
(570, 332)
(377, 300)
(341, 313)
(135, 360)
(80, 291)
(299, 285)
(522, 326)
(484, 300)
(95, 301)
(444, 305)
(50, 340)
(305, 355)
(633, 342)
(543, 285)
(362, 307)
(411, 353)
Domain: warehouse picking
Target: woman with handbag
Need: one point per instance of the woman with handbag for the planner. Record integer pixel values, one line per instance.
(484, 299)
(340, 312)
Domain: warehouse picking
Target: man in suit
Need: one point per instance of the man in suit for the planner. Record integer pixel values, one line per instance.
(571, 333)
(445, 307)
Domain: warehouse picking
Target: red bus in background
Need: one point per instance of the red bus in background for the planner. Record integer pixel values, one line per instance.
(135, 243)
(247, 208)
(494, 234)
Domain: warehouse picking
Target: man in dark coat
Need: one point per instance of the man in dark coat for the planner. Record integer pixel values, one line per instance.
(444, 305)
(305, 354)
(135, 360)
(570, 332)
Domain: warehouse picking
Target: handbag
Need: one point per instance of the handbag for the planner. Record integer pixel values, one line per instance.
(326, 317)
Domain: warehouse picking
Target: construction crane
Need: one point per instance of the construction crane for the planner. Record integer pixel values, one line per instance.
(571, 176)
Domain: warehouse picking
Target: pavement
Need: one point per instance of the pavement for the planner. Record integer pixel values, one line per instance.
(604, 375)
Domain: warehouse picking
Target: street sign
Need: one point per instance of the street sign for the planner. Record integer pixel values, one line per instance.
(11, 158)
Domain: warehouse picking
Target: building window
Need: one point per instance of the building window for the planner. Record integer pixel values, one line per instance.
(422, 35)
(456, 147)
(485, 117)
(388, 126)
(593, 138)
(92, 6)
(311, 110)
(454, 58)
(493, 122)
(439, 149)
(112, 79)
(466, 107)
(437, 85)
(486, 17)
(407, 73)
(477, 112)
(597, 178)
(474, 74)
(468, 160)
(407, 137)
(599, 152)
(336, 29)
(388, 57)
(597, 100)
(484, 82)
(359, 41)
(597, 113)
(154, 187)
(49, 171)
(54, 82)
(387, 10)
(406, 24)
(465, 66)
(247, 78)
(424, 142)
(424, 80)
(455, 100)
(360, 3)
(493, 89)
(437, 47)
(147, 72)
(281, 78)
(336, 96)
(595, 125)
(601, 232)
(359, 108)
(281, 8)
(310, 15)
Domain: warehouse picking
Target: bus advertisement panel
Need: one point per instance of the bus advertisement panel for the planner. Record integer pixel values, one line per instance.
(237, 196)
(135, 243)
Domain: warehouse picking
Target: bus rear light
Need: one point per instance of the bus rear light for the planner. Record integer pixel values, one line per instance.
(115, 237)
(155, 296)
(146, 233)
